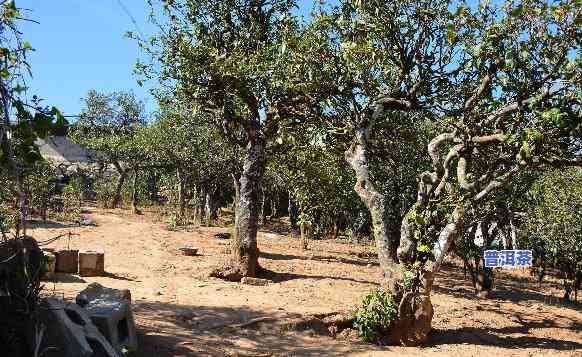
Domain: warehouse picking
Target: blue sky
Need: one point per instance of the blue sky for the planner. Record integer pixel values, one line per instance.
(80, 46)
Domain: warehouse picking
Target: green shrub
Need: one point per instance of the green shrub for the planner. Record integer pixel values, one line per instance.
(173, 222)
(375, 316)
(104, 191)
(8, 219)
(38, 183)
(72, 199)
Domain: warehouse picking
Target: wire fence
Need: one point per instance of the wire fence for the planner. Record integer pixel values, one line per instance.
(42, 243)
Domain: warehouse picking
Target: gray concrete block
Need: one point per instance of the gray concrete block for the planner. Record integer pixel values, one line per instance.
(110, 310)
(69, 332)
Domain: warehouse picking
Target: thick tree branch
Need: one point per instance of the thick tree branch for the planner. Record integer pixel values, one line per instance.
(496, 184)
(433, 150)
(453, 153)
(462, 175)
(487, 139)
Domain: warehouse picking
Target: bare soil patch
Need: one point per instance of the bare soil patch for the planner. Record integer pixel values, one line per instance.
(182, 312)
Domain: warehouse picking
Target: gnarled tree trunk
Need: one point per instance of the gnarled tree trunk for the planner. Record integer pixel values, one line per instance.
(181, 192)
(244, 251)
(208, 208)
(386, 244)
(274, 206)
(134, 208)
(120, 182)
(262, 211)
(236, 183)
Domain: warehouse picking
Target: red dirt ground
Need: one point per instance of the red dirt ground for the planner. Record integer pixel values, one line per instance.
(181, 312)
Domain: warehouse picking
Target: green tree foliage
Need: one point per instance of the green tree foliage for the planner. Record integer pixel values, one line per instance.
(501, 82)
(108, 125)
(255, 69)
(553, 227)
(389, 65)
(317, 179)
(185, 146)
(22, 122)
(519, 107)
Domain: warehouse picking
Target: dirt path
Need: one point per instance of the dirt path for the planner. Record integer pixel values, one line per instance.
(177, 307)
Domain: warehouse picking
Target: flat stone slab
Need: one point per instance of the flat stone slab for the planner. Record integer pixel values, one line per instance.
(190, 251)
(255, 281)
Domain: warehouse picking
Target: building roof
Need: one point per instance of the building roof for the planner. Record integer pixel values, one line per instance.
(61, 150)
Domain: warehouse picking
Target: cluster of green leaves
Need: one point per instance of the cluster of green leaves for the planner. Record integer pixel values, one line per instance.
(104, 188)
(180, 138)
(501, 81)
(8, 219)
(374, 317)
(31, 120)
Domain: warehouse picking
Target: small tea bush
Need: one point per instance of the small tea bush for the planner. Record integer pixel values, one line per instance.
(72, 200)
(70, 210)
(8, 219)
(376, 314)
(104, 191)
(173, 222)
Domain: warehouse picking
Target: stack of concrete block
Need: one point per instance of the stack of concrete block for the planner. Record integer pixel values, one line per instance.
(84, 263)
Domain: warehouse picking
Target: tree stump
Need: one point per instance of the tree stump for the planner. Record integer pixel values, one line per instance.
(413, 324)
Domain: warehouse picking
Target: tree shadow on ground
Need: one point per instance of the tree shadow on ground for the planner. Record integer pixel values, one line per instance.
(279, 277)
(488, 337)
(451, 281)
(64, 278)
(167, 329)
(48, 224)
(319, 258)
